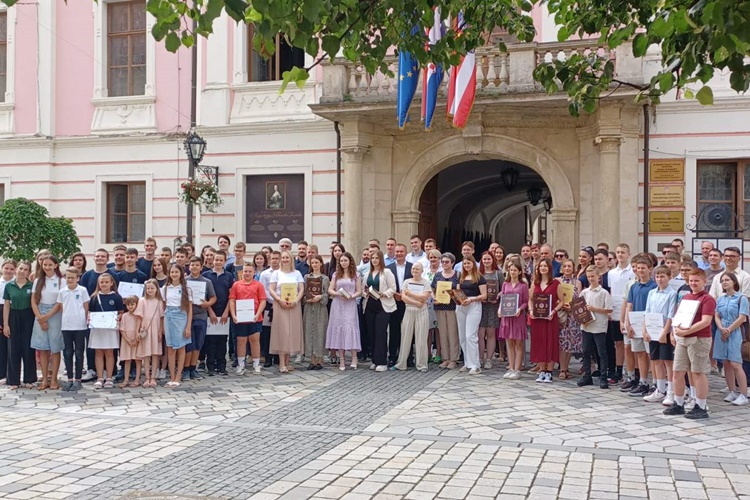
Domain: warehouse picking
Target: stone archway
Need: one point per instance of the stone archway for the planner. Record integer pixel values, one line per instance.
(471, 146)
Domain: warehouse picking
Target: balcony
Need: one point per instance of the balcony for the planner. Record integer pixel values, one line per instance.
(498, 73)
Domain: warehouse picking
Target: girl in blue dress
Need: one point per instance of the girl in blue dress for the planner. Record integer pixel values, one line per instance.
(731, 313)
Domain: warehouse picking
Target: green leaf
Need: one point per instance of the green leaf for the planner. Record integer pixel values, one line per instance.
(705, 95)
(311, 8)
(172, 42)
(296, 75)
(666, 82)
(253, 16)
(689, 94)
(661, 28)
(331, 45)
(640, 45)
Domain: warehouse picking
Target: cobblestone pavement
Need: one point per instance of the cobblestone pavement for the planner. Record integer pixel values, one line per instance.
(361, 434)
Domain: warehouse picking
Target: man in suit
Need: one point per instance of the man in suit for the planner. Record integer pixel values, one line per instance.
(401, 269)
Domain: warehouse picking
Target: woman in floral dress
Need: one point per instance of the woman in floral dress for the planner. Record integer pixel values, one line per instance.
(570, 334)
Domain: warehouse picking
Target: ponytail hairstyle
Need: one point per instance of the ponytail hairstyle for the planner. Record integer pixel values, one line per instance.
(42, 280)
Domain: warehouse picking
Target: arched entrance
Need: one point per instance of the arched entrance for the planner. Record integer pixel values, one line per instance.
(485, 201)
(473, 147)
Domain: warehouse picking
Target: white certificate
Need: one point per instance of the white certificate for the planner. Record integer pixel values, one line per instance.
(636, 322)
(218, 328)
(128, 289)
(245, 311)
(685, 313)
(616, 307)
(107, 319)
(654, 325)
(198, 291)
(417, 288)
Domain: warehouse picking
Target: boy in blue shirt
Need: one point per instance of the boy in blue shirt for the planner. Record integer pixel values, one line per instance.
(661, 300)
(636, 302)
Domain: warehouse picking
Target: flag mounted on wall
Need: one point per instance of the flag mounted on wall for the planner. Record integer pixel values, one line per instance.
(462, 84)
(433, 73)
(408, 78)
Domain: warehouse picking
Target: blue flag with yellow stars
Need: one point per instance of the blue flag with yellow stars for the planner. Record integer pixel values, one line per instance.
(408, 78)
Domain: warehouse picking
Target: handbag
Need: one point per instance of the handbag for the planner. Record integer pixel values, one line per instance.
(745, 347)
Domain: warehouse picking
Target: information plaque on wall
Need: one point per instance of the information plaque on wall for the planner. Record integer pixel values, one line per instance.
(666, 196)
(667, 170)
(666, 222)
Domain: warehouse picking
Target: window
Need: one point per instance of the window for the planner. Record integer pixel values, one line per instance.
(126, 212)
(3, 54)
(283, 59)
(126, 48)
(724, 198)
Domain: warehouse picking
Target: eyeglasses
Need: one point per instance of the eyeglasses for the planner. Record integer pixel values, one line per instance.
(445, 262)
(560, 256)
(731, 256)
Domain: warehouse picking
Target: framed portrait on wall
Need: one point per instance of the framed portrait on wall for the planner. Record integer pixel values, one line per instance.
(274, 208)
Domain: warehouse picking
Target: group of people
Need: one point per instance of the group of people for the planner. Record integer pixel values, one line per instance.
(407, 306)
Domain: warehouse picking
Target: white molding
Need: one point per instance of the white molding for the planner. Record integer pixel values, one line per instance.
(240, 196)
(46, 74)
(6, 183)
(121, 114)
(239, 60)
(7, 106)
(100, 203)
(261, 102)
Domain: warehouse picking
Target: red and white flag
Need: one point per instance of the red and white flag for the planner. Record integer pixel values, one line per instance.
(462, 85)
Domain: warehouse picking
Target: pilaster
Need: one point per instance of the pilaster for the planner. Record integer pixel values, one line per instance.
(353, 158)
(406, 223)
(563, 228)
(606, 218)
(215, 96)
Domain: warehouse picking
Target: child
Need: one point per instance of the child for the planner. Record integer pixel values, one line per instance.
(636, 302)
(74, 301)
(181, 259)
(513, 328)
(130, 329)
(178, 318)
(672, 261)
(599, 302)
(166, 254)
(47, 334)
(18, 319)
(662, 300)
(9, 271)
(131, 273)
(105, 340)
(239, 260)
(151, 310)
(199, 321)
(248, 289)
(216, 344)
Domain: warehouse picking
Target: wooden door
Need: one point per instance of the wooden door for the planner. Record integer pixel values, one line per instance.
(428, 210)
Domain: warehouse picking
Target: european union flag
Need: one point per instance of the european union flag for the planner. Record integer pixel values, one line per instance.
(408, 78)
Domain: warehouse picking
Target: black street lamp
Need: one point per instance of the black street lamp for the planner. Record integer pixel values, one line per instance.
(509, 175)
(534, 194)
(195, 147)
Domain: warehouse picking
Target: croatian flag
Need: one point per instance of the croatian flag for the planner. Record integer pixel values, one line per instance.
(408, 78)
(462, 84)
(433, 73)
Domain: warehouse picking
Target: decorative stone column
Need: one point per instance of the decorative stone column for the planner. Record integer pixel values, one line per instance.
(564, 234)
(353, 157)
(606, 217)
(405, 223)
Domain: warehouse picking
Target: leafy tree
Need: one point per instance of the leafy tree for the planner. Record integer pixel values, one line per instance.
(26, 227)
(695, 37)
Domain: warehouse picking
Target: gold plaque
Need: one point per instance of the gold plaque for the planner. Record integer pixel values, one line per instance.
(666, 196)
(666, 222)
(667, 170)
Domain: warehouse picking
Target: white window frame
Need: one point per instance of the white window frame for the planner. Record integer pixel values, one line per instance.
(7, 106)
(101, 203)
(240, 59)
(112, 114)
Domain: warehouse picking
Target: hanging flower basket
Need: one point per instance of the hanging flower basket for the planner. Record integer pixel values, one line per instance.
(203, 193)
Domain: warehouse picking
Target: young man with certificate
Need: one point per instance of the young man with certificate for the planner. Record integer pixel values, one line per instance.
(247, 302)
(660, 307)
(636, 303)
(203, 297)
(692, 348)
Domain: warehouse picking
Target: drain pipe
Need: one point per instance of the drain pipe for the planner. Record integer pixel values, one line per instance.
(646, 145)
(338, 180)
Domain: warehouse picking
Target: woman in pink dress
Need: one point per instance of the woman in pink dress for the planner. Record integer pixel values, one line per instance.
(513, 328)
(545, 344)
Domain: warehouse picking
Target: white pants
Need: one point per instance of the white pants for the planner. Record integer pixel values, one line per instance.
(415, 326)
(468, 318)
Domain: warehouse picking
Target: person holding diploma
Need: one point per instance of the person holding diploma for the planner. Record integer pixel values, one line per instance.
(598, 302)
(445, 309)
(247, 328)
(379, 286)
(343, 333)
(513, 328)
(286, 287)
(662, 301)
(200, 316)
(415, 293)
(315, 312)
(545, 344)
(636, 302)
(216, 339)
(692, 348)
(469, 313)
(490, 322)
(571, 340)
(732, 311)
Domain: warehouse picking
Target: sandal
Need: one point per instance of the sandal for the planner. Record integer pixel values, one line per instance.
(564, 375)
(42, 387)
(123, 385)
(134, 384)
(290, 368)
(152, 383)
(283, 369)
(55, 387)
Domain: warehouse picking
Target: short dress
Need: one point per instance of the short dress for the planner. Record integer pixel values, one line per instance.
(343, 322)
(105, 338)
(151, 310)
(128, 324)
(50, 339)
(489, 310)
(729, 308)
(512, 328)
(571, 339)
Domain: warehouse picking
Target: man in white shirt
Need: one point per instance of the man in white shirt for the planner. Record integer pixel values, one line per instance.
(618, 346)
(732, 256)
(401, 269)
(417, 255)
(467, 249)
(390, 251)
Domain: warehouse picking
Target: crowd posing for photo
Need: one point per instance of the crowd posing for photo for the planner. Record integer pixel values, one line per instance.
(172, 316)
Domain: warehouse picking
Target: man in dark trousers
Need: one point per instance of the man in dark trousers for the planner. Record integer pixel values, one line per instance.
(401, 269)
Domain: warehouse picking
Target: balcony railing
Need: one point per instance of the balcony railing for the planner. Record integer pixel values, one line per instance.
(498, 72)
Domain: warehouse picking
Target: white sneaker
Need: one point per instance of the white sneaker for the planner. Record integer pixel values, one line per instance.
(298, 359)
(508, 374)
(669, 400)
(726, 389)
(488, 364)
(327, 359)
(654, 397)
(689, 402)
(740, 400)
(731, 397)
(240, 370)
(463, 369)
(475, 371)
(547, 378)
(161, 374)
(372, 366)
(88, 376)
(381, 368)
(514, 375)
(540, 378)
(2, 381)
(256, 369)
